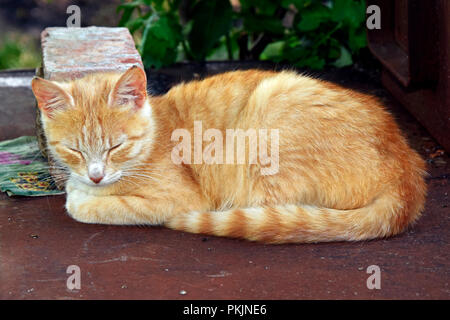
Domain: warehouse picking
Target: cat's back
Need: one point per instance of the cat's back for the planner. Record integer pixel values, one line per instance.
(217, 97)
(231, 82)
(258, 98)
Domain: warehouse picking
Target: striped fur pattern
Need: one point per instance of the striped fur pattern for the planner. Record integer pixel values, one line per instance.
(345, 171)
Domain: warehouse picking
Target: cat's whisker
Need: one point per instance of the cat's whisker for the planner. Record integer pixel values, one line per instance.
(141, 176)
(151, 174)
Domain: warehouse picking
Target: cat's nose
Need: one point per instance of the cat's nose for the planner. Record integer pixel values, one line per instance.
(96, 180)
(96, 172)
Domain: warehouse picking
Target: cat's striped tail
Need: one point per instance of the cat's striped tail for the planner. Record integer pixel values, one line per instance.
(384, 217)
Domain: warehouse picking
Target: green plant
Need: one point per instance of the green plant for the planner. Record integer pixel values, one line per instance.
(305, 33)
(18, 52)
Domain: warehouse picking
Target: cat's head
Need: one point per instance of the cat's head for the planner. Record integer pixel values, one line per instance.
(99, 126)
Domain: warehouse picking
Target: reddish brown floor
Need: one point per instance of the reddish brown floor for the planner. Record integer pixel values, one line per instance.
(38, 241)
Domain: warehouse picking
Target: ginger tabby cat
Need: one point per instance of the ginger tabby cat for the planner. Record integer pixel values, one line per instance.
(345, 170)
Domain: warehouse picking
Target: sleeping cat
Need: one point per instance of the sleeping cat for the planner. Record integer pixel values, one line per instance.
(345, 171)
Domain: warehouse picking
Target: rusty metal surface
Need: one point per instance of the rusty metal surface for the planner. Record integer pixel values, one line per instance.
(38, 241)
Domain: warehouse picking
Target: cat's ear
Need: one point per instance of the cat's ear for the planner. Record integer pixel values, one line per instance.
(50, 96)
(130, 89)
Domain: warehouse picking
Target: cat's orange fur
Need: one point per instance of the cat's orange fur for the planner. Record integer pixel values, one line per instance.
(345, 172)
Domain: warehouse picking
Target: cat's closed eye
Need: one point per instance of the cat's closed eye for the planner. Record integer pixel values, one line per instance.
(70, 155)
(75, 151)
(115, 147)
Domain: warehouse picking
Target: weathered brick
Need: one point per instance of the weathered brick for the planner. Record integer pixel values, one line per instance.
(70, 53)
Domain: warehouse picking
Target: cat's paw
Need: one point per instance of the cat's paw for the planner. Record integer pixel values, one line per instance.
(70, 186)
(77, 205)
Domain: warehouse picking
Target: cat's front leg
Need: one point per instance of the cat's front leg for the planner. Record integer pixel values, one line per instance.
(112, 209)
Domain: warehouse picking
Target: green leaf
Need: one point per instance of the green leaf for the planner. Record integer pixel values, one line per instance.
(295, 54)
(273, 51)
(220, 52)
(132, 4)
(344, 60)
(153, 52)
(160, 39)
(351, 12)
(294, 41)
(313, 62)
(9, 54)
(267, 7)
(334, 50)
(299, 4)
(126, 15)
(128, 8)
(167, 29)
(357, 39)
(305, 55)
(313, 17)
(158, 4)
(135, 24)
(211, 20)
(260, 7)
(262, 24)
